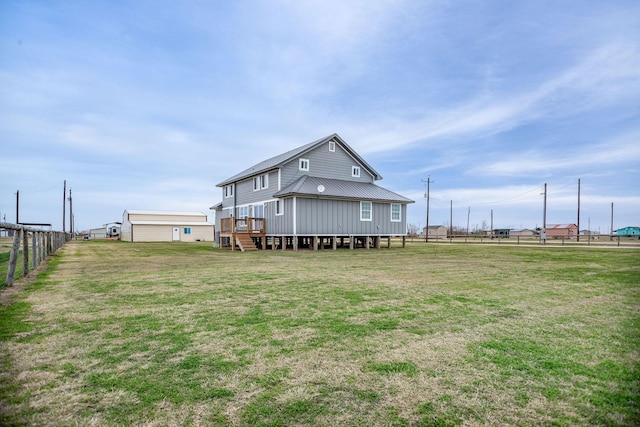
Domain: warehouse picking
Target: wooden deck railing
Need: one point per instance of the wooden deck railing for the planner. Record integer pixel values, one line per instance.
(242, 225)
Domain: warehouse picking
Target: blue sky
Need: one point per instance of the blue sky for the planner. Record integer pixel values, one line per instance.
(149, 104)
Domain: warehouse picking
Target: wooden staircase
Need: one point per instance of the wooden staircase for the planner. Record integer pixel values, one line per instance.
(245, 242)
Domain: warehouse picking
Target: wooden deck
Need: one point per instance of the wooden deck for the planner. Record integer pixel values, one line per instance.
(249, 234)
(242, 231)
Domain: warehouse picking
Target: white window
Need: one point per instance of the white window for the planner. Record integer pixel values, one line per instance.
(332, 146)
(258, 211)
(355, 171)
(260, 182)
(228, 190)
(396, 209)
(279, 207)
(304, 164)
(243, 211)
(365, 211)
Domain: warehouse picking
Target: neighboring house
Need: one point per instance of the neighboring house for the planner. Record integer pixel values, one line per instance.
(561, 231)
(165, 226)
(317, 194)
(436, 232)
(525, 232)
(627, 231)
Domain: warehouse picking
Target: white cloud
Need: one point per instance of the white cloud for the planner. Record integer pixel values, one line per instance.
(609, 74)
(616, 151)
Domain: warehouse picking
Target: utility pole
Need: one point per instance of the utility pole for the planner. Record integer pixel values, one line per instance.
(451, 219)
(426, 195)
(17, 206)
(70, 213)
(468, 215)
(64, 206)
(578, 237)
(611, 228)
(543, 235)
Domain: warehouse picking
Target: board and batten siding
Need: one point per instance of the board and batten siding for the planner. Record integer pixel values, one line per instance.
(332, 217)
(279, 224)
(325, 164)
(340, 217)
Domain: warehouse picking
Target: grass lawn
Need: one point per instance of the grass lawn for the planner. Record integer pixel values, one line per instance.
(431, 335)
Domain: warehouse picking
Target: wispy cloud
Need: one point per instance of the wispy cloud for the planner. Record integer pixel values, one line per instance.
(608, 74)
(617, 151)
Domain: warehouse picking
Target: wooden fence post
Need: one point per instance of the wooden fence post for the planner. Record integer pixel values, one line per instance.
(43, 247)
(44, 244)
(13, 257)
(49, 245)
(34, 251)
(25, 251)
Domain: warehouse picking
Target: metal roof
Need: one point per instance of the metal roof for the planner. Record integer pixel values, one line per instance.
(339, 189)
(278, 161)
(148, 212)
(173, 223)
(560, 226)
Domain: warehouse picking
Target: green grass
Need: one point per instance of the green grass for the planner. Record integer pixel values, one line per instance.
(431, 335)
(4, 267)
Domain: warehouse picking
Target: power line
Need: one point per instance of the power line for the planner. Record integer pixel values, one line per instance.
(57, 185)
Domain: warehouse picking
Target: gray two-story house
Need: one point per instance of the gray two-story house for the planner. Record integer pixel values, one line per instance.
(320, 194)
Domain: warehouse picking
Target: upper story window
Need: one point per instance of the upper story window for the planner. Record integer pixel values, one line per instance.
(332, 146)
(260, 182)
(396, 209)
(365, 211)
(355, 171)
(228, 190)
(304, 165)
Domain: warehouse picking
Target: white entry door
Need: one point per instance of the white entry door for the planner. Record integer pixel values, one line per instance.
(176, 233)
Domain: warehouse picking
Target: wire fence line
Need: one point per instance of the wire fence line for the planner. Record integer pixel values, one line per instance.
(32, 245)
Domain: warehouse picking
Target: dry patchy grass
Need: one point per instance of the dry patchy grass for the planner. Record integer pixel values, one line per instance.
(182, 334)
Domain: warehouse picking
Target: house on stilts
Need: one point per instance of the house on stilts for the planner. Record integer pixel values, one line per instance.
(320, 195)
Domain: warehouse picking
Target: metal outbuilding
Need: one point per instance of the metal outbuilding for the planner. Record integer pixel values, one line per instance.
(165, 226)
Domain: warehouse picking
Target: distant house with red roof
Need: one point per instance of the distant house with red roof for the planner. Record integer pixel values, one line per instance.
(561, 231)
